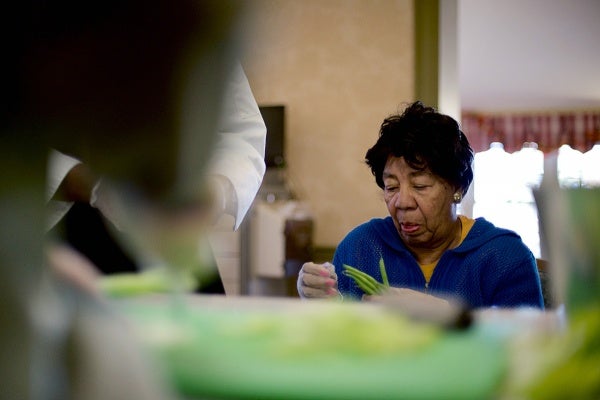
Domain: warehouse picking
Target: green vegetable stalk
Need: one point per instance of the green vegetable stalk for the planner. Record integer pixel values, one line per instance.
(384, 277)
(366, 282)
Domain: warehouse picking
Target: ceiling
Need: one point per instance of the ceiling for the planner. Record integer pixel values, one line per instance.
(517, 55)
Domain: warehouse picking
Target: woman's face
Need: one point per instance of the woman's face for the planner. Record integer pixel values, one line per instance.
(420, 203)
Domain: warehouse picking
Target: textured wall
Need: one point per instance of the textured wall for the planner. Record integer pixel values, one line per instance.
(340, 67)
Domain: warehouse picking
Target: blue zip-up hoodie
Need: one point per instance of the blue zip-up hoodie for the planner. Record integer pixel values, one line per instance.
(491, 267)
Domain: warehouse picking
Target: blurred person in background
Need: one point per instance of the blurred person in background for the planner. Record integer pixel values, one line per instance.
(111, 83)
(422, 162)
(80, 213)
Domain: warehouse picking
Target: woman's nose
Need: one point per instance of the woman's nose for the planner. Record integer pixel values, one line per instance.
(404, 199)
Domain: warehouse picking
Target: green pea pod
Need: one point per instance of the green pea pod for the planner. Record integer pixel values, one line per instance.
(360, 280)
(384, 276)
(366, 285)
(366, 282)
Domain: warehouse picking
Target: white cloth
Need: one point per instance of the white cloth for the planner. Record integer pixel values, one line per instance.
(238, 155)
(59, 165)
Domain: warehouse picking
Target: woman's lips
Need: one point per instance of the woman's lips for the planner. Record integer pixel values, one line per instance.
(409, 228)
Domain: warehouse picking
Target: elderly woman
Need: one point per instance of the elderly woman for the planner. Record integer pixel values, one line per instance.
(422, 162)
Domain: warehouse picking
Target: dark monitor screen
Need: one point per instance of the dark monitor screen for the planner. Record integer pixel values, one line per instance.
(274, 117)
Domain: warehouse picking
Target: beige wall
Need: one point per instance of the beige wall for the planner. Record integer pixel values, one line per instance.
(339, 67)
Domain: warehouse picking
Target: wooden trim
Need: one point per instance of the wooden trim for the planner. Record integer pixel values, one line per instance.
(427, 51)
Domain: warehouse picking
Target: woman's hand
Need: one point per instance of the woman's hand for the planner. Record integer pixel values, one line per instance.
(404, 295)
(424, 306)
(317, 281)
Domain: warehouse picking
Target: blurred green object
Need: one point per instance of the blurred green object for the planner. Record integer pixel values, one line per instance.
(568, 365)
(155, 280)
(570, 234)
(583, 282)
(364, 281)
(563, 365)
(577, 374)
(317, 350)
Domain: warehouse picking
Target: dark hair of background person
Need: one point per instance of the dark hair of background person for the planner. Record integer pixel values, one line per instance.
(427, 140)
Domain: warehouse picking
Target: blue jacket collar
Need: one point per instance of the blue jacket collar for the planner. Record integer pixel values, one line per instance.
(481, 232)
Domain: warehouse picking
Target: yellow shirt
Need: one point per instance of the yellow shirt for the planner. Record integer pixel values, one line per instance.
(466, 225)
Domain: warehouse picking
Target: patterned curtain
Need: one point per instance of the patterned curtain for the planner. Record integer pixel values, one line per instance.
(580, 130)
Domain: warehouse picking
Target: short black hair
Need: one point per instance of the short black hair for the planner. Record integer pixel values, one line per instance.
(427, 140)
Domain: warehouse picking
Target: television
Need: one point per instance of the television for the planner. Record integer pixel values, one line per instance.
(274, 117)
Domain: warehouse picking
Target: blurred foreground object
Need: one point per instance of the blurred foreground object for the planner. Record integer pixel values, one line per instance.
(561, 365)
(259, 348)
(82, 206)
(112, 83)
(570, 226)
(565, 365)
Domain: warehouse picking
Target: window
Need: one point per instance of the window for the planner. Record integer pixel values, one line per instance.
(509, 163)
(503, 184)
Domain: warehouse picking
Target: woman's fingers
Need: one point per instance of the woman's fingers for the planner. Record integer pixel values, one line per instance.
(317, 280)
(318, 269)
(313, 293)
